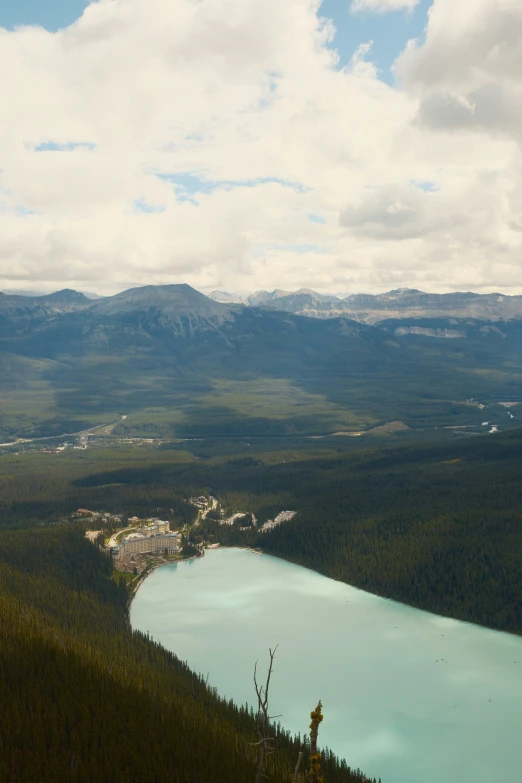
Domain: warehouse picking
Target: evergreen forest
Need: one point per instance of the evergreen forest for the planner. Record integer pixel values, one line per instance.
(83, 698)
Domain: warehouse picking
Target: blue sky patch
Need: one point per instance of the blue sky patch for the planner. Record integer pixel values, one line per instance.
(429, 187)
(389, 32)
(187, 184)
(146, 208)
(51, 14)
(56, 146)
(22, 211)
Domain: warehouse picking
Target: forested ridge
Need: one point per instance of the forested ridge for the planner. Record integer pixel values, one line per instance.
(83, 698)
(438, 527)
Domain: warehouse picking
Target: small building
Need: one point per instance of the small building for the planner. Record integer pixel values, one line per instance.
(158, 527)
(200, 502)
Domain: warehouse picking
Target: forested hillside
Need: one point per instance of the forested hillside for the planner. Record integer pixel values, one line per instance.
(84, 699)
(437, 526)
(440, 530)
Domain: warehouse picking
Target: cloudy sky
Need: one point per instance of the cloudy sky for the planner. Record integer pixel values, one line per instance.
(346, 146)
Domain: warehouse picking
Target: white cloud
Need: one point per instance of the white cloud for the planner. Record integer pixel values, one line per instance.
(383, 6)
(178, 141)
(400, 212)
(359, 65)
(467, 72)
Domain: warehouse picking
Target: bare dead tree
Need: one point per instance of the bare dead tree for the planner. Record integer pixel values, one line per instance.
(263, 717)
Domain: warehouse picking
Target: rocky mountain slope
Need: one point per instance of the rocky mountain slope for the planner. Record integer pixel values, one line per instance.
(180, 327)
(372, 309)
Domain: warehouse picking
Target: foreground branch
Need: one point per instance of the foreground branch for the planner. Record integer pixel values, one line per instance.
(263, 716)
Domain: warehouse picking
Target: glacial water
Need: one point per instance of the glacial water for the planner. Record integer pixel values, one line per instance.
(408, 696)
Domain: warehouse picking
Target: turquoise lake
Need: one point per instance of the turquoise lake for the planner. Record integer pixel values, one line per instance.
(407, 695)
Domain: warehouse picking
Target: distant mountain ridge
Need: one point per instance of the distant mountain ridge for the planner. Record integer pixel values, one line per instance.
(66, 296)
(157, 320)
(196, 366)
(31, 294)
(19, 312)
(183, 300)
(181, 309)
(400, 303)
(261, 297)
(373, 308)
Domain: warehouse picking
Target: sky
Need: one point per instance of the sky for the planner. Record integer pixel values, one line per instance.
(344, 146)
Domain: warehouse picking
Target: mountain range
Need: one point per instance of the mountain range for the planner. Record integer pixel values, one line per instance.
(365, 308)
(372, 309)
(176, 362)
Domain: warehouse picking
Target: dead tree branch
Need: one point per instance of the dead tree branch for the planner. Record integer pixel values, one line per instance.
(263, 716)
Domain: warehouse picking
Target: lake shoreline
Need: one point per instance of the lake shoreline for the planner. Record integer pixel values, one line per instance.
(148, 571)
(319, 573)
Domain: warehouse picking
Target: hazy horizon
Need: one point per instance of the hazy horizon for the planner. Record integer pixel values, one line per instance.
(247, 293)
